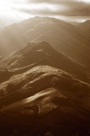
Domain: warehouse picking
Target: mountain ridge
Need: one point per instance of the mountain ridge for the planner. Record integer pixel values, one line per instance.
(40, 54)
(63, 36)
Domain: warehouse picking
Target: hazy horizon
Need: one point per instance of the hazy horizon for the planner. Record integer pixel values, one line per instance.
(67, 10)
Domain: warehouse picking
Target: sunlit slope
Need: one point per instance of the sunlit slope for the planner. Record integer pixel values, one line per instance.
(63, 36)
(46, 92)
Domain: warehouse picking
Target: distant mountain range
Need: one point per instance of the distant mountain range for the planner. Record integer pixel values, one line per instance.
(45, 78)
(65, 37)
(85, 28)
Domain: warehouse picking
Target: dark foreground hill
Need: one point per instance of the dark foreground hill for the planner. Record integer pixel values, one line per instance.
(43, 89)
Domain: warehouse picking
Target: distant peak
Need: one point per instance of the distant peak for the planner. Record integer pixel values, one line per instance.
(41, 45)
(86, 22)
(44, 43)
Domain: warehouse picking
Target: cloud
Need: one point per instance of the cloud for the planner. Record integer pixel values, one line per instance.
(51, 7)
(56, 7)
(22, 9)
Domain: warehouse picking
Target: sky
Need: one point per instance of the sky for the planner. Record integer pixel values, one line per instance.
(69, 10)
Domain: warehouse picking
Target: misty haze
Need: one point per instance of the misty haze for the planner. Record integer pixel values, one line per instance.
(45, 68)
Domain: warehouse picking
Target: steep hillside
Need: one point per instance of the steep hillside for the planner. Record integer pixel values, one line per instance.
(63, 36)
(34, 54)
